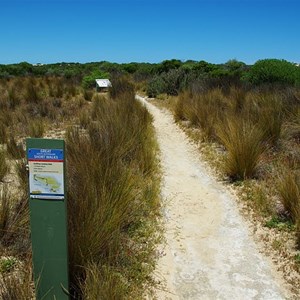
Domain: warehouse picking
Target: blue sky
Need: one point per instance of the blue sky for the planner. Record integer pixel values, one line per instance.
(49, 31)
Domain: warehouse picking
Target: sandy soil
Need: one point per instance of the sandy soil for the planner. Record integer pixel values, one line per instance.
(209, 251)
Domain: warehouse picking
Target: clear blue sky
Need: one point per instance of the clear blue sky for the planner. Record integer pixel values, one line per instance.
(49, 31)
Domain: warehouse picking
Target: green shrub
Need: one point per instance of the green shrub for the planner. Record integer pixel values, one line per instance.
(89, 81)
(273, 71)
(156, 86)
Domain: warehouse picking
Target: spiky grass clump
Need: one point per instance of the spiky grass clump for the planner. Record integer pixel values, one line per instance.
(112, 194)
(3, 134)
(17, 284)
(14, 148)
(289, 191)
(14, 222)
(244, 144)
(4, 211)
(3, 165)
(203, 110)
(36, 128)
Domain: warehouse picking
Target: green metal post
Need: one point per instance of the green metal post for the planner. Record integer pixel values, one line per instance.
(48, 217)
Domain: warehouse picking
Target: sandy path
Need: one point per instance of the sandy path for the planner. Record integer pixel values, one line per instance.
(209, 253)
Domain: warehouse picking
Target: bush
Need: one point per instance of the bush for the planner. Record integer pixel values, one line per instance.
(89, 81)
(274, 71)
(156, 86)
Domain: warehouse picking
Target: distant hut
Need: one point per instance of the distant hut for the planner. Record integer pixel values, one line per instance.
(102, 85)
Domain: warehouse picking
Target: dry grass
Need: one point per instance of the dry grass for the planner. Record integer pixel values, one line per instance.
(3, 165)
(289, 191)
(112, 194)
(113, 187)
(244, 145)
(18, 283)
(256, 133)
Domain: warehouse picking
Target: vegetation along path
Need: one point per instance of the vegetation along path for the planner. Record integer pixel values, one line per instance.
(209, 253)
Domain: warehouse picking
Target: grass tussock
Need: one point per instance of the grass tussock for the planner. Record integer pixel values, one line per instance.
(36, 128)
(113, 186)
(18, 283)
(244, 146)
(14, 222)
(289, 191)
(15, 148)
(3, 165)
(112, 197)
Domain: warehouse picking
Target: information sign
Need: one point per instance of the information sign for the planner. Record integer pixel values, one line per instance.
(46, 173)
(48, 217)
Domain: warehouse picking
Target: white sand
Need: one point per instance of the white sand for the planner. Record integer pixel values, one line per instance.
(209, 252)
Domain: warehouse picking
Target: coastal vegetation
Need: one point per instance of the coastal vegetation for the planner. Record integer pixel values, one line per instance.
(245, 119)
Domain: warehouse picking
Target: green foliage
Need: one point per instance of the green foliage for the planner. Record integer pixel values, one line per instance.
(88, 81)
(167, 65)
(274, 71)
(280, 224)
(7, 264)
(156, 86)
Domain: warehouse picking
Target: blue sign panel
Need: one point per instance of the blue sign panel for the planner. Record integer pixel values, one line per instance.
(46, 154)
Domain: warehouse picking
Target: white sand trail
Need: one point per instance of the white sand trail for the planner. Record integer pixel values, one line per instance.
(210, 253)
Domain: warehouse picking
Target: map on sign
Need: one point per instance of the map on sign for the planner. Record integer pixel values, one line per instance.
(46, 173)
(47, 183)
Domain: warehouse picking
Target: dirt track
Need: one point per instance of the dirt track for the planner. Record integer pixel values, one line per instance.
(209, 252)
